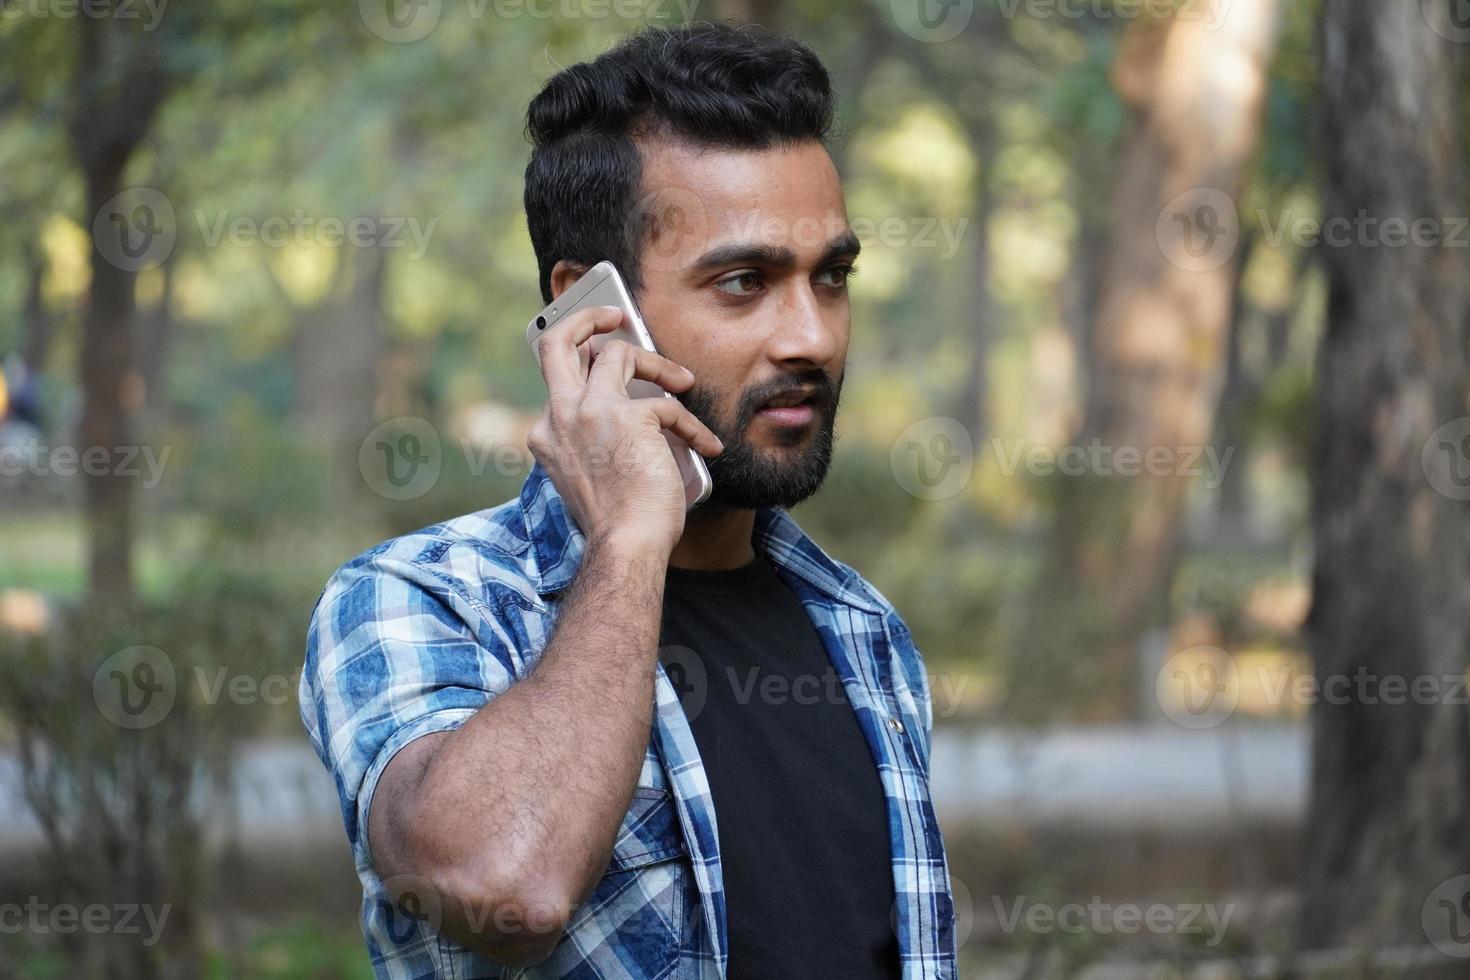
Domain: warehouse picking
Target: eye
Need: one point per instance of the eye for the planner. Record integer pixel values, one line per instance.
(837, 276)
(740, 284)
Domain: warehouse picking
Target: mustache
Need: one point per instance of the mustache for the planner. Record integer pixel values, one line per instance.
(823, 392)
(702, 401)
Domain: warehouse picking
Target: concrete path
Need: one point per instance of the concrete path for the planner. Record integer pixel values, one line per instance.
(1156, 776)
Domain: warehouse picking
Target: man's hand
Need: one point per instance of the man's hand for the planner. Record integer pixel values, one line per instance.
(511, 817)
(605, 452)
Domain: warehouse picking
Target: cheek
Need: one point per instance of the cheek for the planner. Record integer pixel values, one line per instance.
(710, 353)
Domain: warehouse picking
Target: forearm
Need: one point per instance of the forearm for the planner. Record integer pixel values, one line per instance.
(517, 810)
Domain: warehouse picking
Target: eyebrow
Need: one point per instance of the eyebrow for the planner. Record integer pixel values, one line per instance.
(778, 256)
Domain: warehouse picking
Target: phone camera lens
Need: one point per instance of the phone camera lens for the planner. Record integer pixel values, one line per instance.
(541, 323)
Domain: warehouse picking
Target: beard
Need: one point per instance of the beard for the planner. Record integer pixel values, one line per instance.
(750, 477)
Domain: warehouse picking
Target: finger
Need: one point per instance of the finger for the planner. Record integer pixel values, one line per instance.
(620, 362)
(672, 415)
(611, 369)
(667, 374)
(561, 365)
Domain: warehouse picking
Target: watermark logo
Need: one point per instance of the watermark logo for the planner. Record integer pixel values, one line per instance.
(932, 21)
(1450, 19)
(1208, 463)
(1212, 11)
(38, 917)
(1446, 459)
(34, 458)
(136, 229)
(400, 21)
(301, 228)
(1203, 686)
(688, 676)
(1198, 687)
(411, 907)
(405, 21)
(135, 688)
(90, 9)
(1445, 916)
(667, 224)
(1102, 918)
(401, 459)
(1199, 231)
(933, 458)
(1364, 230)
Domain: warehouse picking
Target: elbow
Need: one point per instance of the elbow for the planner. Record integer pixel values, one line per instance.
(516, 919)
(512, 907)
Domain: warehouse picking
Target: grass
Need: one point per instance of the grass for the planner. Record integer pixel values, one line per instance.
(297, 950)
(47, 551)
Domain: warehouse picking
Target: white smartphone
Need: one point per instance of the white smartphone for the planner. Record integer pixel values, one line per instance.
(603, 286)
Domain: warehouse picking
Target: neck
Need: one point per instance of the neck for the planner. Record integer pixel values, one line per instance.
(715, 538)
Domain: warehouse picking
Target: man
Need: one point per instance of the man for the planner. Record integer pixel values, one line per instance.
(523, 785)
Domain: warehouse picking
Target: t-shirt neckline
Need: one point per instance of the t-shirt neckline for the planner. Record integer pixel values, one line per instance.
(755, 572)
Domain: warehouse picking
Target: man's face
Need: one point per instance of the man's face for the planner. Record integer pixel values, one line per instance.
(744, 281)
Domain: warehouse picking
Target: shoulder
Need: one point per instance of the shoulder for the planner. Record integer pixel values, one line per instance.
(480, 558)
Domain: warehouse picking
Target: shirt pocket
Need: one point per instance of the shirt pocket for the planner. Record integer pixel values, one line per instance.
(633, 922)
(650, 833)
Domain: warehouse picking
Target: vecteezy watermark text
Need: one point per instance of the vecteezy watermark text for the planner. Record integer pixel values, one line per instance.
(1211, 11)
(137, 687)
(406, 21)
(300, 228)
(90, 9)
(63, 918)
(35, 458)
(1099, 459)
(1101, 917)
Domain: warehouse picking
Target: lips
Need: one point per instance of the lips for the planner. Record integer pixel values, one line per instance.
(790, 399)
(794, 409)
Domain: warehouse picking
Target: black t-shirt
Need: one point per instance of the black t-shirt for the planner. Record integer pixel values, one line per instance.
(800, 811)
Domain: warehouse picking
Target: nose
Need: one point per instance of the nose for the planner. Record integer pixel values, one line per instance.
(808, 333)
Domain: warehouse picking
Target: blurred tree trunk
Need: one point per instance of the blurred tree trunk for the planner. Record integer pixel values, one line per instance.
(337, 349)
(153, 341)
(1240, 390)
(118, 86)
(1246, 383)
(1084, 279)
(1155, 361)
(1390, 782)
(38, 326)
(974, 395)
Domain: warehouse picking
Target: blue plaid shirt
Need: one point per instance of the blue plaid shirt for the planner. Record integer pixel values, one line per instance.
(419, 633)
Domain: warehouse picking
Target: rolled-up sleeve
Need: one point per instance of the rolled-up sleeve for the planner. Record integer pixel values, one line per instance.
(395, 651)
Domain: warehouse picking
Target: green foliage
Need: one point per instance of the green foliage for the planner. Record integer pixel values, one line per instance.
(470, 479)
(296, 950)
(125, 721)
(253, 476)
(1285, 413)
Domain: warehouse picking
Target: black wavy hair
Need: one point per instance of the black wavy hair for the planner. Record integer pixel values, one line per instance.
(710, 84)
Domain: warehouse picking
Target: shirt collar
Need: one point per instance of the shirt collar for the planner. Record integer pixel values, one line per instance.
(556, 545)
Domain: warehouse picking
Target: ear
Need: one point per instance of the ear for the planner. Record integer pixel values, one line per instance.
(563, 274)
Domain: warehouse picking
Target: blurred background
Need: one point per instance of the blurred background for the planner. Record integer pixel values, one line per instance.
(1155, 431)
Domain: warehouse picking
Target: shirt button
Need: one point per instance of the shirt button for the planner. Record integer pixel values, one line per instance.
(896, 725)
